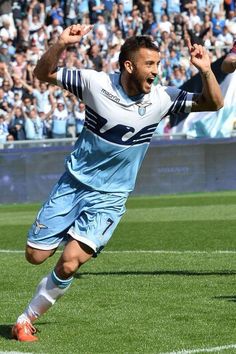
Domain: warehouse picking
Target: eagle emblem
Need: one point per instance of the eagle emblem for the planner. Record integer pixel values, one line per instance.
(38, 226)
(142, 107)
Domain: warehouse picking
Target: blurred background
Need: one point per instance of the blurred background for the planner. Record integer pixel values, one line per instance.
(39, 123)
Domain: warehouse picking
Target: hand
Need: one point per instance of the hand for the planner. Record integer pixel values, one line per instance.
(74, 33)
(199, 56)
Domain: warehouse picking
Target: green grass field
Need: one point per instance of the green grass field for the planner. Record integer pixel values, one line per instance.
(164, 284)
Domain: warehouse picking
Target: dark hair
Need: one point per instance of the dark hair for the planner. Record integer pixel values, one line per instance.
(132, 45)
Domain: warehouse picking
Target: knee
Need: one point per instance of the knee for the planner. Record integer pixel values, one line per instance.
(67, 268)
(36, 256)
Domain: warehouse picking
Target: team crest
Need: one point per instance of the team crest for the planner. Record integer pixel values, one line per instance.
(38, 227)
(142, 107)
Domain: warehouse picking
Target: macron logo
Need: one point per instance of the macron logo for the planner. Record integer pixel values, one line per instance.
(110, 95)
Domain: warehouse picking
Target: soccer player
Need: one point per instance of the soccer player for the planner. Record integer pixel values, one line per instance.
(123, 110)
(229, 63)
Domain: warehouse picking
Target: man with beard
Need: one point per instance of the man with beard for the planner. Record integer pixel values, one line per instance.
(123, 110)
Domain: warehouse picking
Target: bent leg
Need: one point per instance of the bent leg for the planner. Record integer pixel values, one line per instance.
(37, 256)
(74, 255)
(56, 283)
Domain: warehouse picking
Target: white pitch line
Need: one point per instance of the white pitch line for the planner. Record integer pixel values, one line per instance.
(204, 350)
(14, 353)
(147, 251)
(172, 252)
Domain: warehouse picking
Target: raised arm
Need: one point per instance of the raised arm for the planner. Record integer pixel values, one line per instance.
(210, 99)
(45, 69)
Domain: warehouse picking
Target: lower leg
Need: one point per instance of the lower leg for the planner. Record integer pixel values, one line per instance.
(49, 290)
(55, 284)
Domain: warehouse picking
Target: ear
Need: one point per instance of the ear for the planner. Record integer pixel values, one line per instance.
(128, 66)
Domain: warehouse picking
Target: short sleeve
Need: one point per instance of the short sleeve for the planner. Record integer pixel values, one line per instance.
(70, 80)
(178, 101)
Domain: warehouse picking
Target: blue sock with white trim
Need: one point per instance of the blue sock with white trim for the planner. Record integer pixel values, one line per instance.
(49, 290)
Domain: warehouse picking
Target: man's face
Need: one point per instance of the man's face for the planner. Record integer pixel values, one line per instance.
(144, 70)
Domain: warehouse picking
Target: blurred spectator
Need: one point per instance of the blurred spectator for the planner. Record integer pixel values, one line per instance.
(70, 12)
(4, 54)
(54, 28)
(43, 96)
(158, 9)
(6, 13)
(33, 124)
(95, 8)
(197, 34)
(38, 23)
(95, 57)
(164, 25)
(17, 124)
(5, 102)
(218, 23)
(23, 35)
(149, 25)
(107, 11)
(56, 12)
(19, 65)
(18, 87)
(134, 23)
(194, 18)
(3, 128)
(179, 26)
(79, 114)
(10, 138)
(7, 31)
(128, 6)
(27, 103)
(8, 93)
(119, 17)
(217, 6)
(35, 20)
(172, 7)
(60, 120)
(177, 77)
(83, 10)
(225, 38)
(230, 22)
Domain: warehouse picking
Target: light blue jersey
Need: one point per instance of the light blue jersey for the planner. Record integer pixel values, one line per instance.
(117, 129)
(89, 200)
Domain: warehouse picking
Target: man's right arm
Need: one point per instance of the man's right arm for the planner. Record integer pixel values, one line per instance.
(45, 69)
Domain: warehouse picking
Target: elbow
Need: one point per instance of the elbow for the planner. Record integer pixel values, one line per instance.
(37, 73)
(216, 106)
(220, 103)
(40, 74)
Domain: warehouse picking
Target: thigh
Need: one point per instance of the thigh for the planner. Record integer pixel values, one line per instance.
(98, 219)
(56, 215)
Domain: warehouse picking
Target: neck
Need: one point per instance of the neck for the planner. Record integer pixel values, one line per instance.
(127, 87)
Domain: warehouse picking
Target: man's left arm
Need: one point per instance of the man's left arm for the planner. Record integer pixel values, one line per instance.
(210, 99)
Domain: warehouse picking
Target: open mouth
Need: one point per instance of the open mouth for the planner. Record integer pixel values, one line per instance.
(150, 80)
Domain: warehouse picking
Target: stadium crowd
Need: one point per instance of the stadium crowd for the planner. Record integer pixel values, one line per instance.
(33, 110)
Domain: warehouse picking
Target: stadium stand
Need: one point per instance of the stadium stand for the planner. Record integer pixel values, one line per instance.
(28, 108)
